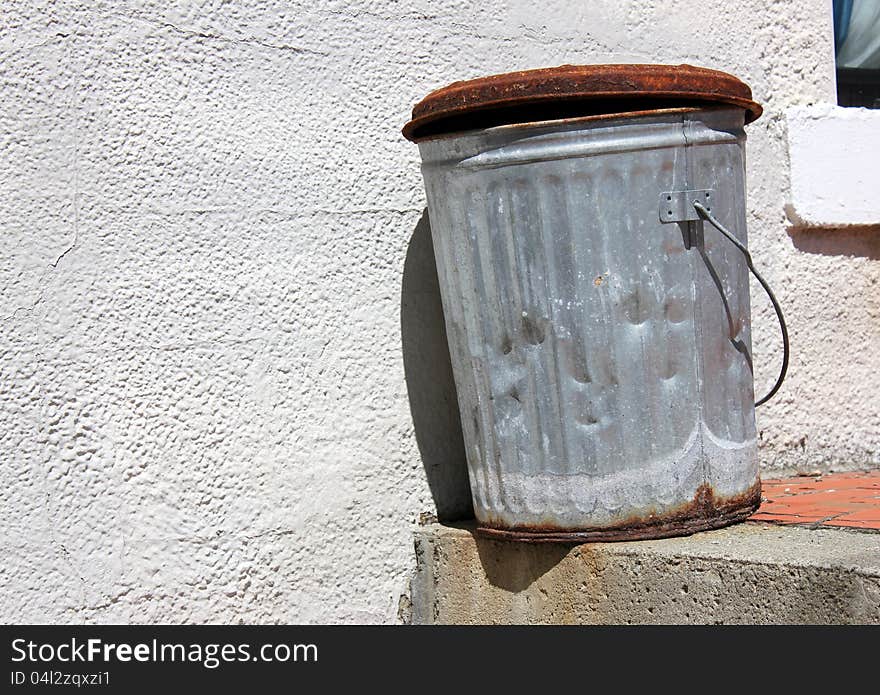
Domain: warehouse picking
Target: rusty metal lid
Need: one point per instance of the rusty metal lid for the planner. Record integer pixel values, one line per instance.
(570, 91)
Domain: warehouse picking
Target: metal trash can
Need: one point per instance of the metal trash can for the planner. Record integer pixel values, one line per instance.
(598, 327)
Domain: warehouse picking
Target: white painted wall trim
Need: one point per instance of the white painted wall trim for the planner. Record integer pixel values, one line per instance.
(835, 168)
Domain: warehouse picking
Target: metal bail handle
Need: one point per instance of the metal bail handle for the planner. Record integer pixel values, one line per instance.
(694, 205)
(706, 215)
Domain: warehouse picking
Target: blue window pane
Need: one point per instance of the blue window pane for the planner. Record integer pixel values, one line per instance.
(857, 51)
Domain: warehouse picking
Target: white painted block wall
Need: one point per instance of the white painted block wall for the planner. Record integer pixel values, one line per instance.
(834, 169)
(205, 210)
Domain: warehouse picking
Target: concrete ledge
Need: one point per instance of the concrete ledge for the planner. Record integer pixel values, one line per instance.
(749, 573)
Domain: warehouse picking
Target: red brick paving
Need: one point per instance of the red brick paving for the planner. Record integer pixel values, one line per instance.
(850, 500)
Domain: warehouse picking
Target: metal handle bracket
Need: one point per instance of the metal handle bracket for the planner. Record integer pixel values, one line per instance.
(678, 206)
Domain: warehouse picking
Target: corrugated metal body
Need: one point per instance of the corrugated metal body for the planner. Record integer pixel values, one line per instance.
(603, 368)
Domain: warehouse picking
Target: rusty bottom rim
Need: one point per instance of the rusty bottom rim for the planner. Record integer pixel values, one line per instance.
(731, 512)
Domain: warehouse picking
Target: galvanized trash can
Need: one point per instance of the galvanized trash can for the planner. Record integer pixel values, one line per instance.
(599, 329)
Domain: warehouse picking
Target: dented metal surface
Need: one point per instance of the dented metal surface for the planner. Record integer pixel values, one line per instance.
(602, 358)
(573, 90)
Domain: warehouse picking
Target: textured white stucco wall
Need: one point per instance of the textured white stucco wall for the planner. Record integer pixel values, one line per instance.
(206, 209)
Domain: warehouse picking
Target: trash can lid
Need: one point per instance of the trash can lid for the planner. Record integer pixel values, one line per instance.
(570, 91)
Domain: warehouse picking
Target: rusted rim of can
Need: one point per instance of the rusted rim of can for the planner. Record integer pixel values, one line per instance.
(569, 91)
(680, 528)
(704, 513)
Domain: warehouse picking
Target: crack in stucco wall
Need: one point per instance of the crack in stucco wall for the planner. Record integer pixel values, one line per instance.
(247, 41)
(69, 40)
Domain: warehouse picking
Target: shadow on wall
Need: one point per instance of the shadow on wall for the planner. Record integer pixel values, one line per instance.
(856, 243)
(432, 398)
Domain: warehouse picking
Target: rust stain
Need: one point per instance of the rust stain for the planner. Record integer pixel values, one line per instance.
(598, 281)
(705, 511)
(573, 90)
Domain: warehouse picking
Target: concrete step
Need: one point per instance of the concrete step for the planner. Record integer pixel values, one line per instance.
(754, 572)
